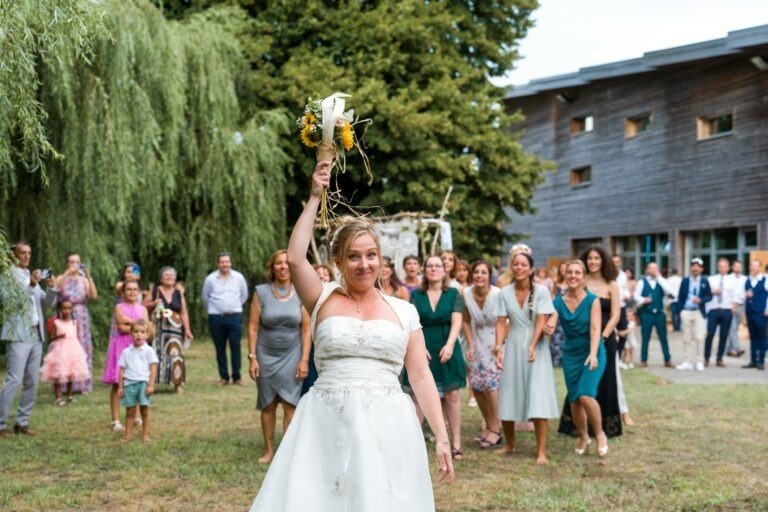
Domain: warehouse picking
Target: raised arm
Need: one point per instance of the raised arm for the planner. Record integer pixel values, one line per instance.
(302, 370)
(304, 277)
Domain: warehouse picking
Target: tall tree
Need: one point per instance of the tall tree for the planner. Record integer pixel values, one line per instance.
(420, 69)
(160, 161)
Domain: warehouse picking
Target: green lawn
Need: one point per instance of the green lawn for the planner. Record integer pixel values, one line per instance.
(695, 448)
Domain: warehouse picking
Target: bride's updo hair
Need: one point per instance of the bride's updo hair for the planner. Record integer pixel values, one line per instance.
(348, 229)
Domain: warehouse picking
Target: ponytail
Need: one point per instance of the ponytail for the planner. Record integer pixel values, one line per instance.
(530, 297)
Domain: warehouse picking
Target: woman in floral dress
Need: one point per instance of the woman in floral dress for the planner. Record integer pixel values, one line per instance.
(77, 287)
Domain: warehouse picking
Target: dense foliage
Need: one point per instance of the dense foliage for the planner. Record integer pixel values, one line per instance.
(420, 70)
(160, 163)
(165, 135)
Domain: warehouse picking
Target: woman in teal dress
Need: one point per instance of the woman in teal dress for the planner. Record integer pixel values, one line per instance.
(441, 310)
(584, 356)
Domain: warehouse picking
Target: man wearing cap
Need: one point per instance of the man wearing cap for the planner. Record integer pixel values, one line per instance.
(695, 292)
(720, 312)
(756, 308)
(649, 294)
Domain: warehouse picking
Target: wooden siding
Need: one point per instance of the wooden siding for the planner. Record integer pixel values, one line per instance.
(661, 180)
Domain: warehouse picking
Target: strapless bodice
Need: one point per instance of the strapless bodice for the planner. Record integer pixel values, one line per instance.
(348, 349)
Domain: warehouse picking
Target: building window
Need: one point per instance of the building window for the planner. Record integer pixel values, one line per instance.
(578, 245)
(582, 124)
(708, 127)
(732, 243)
(637, 124)
(636, 252)
(581, 176)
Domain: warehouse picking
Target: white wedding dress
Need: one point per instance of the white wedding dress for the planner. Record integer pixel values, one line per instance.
(354, 444)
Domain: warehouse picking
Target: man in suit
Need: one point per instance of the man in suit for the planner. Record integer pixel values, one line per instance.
(24, 333)
(756, 308)
(721, 307)
(694, 293)
(650, 293)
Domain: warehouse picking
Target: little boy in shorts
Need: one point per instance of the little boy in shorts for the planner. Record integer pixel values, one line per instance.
(138, 371)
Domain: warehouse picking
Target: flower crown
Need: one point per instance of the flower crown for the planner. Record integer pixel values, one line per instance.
(520, 249)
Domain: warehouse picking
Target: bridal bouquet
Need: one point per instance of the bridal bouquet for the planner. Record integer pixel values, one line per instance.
(326, 127)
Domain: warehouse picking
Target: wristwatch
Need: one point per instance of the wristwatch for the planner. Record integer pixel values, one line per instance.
(251, 355)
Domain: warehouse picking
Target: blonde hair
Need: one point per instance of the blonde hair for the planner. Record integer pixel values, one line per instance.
(146, 324)
(269, 270)
(576, 262)
(347, 230)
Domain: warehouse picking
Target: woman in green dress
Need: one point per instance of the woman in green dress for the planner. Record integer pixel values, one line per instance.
(584, 356)
(441, 310)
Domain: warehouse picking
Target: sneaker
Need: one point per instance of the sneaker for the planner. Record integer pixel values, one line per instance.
(631, 365)
(472, 402)
(685, 365)
(699, 366)
(624, 366)
(117, 426)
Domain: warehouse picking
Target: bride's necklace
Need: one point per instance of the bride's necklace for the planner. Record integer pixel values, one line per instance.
(282, 298)
(357, 304)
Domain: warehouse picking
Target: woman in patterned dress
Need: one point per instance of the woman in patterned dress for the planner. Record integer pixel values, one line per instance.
(167, 306)
(76, 285)
(480, 332)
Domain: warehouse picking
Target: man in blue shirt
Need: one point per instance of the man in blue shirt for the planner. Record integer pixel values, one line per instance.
(694, 293)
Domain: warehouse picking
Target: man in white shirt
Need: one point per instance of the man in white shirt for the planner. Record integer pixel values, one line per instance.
(224, 293)
(720, 309)
(732, 346)
(649, 294)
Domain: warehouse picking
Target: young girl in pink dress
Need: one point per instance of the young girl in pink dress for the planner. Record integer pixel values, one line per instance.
(125, 313)
(66, 361)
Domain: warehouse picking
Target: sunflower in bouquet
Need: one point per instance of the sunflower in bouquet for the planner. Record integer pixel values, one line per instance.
(326, 127)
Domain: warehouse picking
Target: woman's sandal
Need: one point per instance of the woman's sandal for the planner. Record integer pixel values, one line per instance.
(456, 454)
(60, 402)
(479, 438)
(485, 443)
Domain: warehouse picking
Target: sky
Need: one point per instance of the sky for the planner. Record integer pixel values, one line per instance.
(572, 34)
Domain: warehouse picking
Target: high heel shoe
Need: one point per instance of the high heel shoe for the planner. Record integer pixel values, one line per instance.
(602, 451)
(580, 451)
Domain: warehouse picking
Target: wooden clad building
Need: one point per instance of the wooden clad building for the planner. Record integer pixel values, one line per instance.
(660, 158)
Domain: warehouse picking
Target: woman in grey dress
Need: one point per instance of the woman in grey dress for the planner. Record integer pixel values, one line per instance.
(278, 348)
(527, 388)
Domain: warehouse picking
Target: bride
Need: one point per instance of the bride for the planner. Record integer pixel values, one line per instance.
(355, 442)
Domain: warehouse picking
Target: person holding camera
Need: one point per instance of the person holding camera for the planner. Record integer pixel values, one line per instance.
(24, 332)
(76, 285)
